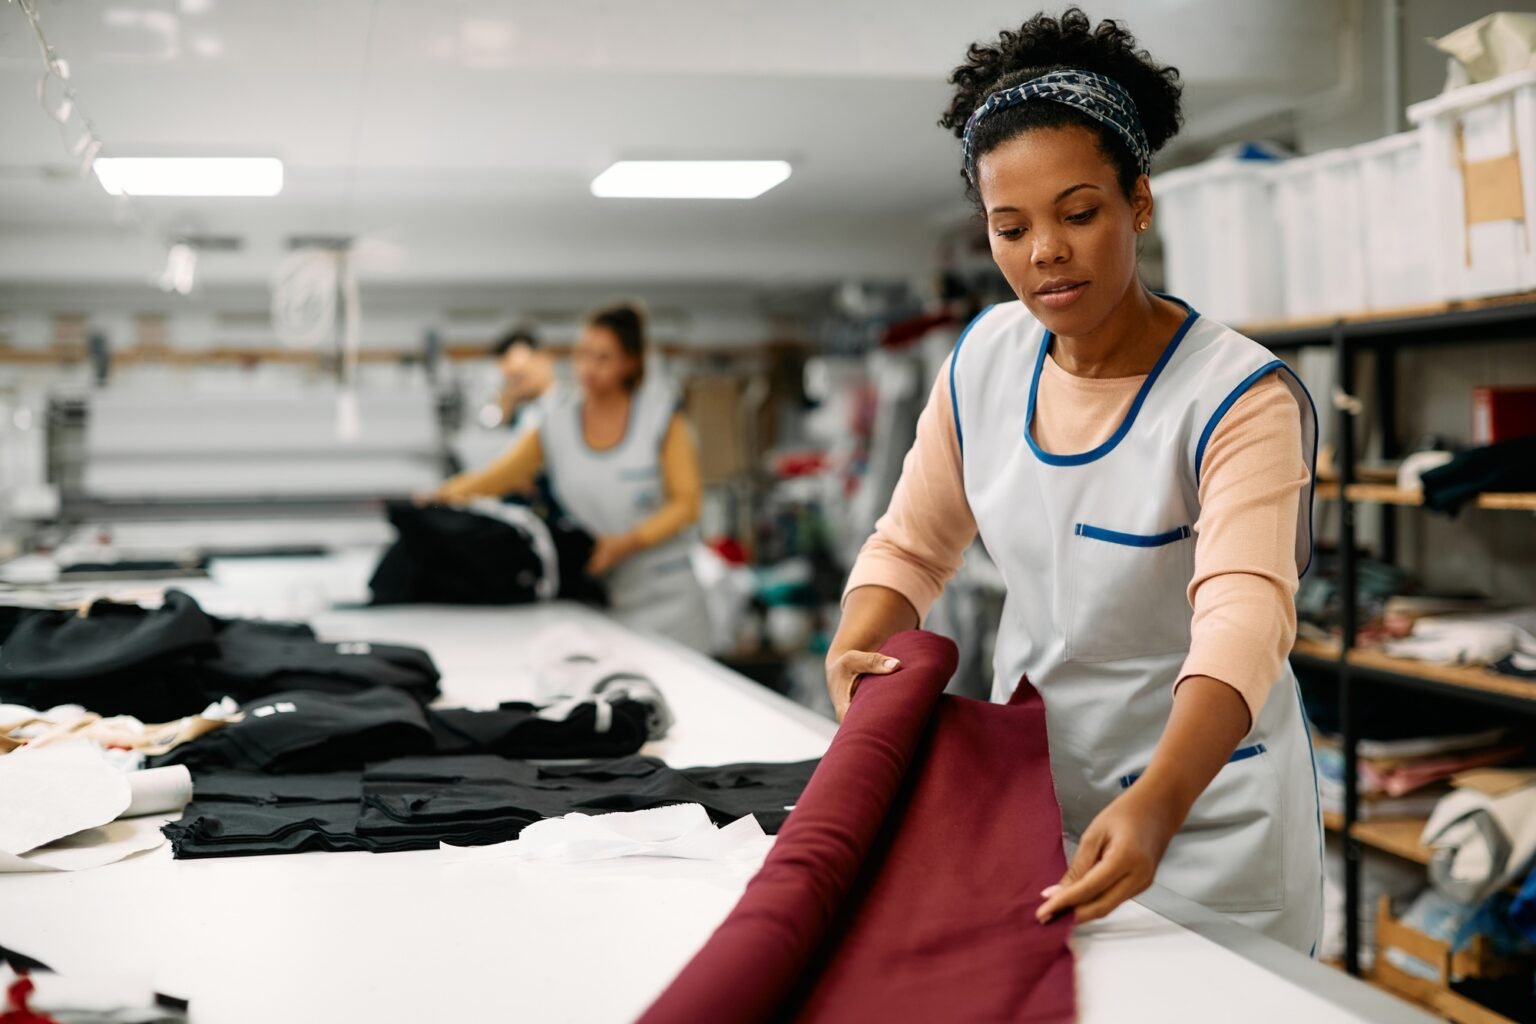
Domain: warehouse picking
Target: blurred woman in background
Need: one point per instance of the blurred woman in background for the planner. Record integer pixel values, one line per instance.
(622, 461)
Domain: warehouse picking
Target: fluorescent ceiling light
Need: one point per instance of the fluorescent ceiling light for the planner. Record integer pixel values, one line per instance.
(190, 176)
(689, 179)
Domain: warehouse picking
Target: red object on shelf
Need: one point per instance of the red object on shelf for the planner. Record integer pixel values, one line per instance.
(1503, 414)
(793, 464)
(729, 549)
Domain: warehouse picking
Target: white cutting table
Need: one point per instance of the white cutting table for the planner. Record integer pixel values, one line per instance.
(414, 937)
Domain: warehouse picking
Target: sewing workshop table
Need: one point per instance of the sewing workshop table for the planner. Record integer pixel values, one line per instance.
(415, 937)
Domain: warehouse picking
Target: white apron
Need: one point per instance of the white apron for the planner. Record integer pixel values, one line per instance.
(1097, 551)
(614, 490)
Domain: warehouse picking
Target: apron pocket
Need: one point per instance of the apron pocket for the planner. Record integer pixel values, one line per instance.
(1126, 593)
(1230, 854)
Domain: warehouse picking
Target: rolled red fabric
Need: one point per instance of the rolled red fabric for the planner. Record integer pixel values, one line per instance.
(903, 886)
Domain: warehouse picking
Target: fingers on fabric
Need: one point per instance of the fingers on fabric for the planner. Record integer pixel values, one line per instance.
(1118, 893)
(1086, 876)
(844, 673)
(1115, 875)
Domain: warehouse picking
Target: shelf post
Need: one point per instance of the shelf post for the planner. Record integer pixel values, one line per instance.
(1344, 369)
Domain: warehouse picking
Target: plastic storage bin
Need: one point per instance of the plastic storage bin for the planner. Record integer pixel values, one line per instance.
(1320, 206)
(1480, 149)
(1220, 239)
(1395, 190)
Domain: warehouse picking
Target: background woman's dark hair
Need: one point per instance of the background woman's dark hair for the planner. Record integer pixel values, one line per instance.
(516, 336)
(627, 324)
(1045, 43)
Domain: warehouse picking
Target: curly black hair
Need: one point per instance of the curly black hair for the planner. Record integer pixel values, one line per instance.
(1045, 43)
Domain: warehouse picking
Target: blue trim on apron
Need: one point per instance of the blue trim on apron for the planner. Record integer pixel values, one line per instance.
(954, 400)
(1108, 446)
(1134, 540)
(1240, 754)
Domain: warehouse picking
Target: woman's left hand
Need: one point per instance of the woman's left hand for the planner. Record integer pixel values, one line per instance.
(609, 551)
(1117, 858)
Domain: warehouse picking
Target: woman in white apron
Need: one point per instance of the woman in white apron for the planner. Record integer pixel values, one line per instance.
(621, 461)
(1141, 476)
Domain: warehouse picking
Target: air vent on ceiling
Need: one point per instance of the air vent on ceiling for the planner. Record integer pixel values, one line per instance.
(320, 241)
(213, 243)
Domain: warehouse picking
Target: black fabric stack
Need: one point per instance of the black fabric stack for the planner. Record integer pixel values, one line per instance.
(452, 556)
(160, 664)
(310, 731)
(417, 803)
(1506, 466)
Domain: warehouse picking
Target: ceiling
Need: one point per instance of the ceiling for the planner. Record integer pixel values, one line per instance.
(459, 136)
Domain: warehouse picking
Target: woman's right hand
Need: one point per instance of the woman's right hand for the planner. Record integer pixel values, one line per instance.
(844, 669)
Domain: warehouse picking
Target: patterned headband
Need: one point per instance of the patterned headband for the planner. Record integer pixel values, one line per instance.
(1101, 98)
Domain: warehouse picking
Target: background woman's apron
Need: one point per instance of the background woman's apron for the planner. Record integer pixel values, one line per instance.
(616, 489)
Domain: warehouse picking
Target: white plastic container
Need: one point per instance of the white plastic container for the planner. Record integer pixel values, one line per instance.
(1319, 203)
(1220, 239)
(1492, 251)
(1395, 192)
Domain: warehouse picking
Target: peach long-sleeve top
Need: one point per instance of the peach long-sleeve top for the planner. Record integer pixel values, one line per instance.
(1244, 585)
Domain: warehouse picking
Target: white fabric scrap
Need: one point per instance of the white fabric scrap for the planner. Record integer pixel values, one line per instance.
(91, 848)
(56, 791)
(680, 831)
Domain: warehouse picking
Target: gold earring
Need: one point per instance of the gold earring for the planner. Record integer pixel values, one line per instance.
(1142, 226)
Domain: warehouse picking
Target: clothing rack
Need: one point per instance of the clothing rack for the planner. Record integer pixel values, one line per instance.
(1362, 674)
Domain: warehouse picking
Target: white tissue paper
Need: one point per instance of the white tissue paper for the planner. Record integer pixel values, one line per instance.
(56, 791)
(682, 831)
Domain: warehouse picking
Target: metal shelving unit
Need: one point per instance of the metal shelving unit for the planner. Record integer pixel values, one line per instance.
(1361, 673)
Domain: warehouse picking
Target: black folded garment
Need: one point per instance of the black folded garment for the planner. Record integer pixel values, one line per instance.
(251, 662)
(590, 729)
(416, 803)
(117, 659)
(307, 731)
(1506, 466)
(163, 663)
(456, 556)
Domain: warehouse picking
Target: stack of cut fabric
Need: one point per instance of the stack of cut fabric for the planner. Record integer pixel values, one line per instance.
(1504, 641)
(1406, 778)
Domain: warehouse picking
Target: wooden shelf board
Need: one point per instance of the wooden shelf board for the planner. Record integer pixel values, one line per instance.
(1397, 836)
(1422, 311)
(1316, 648)
(1385, 494)
(1464, 677)
(1513, 501)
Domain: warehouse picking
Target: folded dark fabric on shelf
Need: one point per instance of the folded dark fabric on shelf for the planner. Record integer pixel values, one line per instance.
(448, 555)
(1517, 666)
(1506, 466)
(159, 664)
(417, 803)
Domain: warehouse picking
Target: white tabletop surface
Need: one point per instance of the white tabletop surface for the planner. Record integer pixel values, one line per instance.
(414, 937)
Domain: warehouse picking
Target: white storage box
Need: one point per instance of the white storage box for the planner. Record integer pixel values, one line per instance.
(1220, 239)
(1480, 149)
(1399, 260)
(1320, 208)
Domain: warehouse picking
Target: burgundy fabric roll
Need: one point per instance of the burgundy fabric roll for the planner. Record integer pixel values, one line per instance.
(903, 886)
